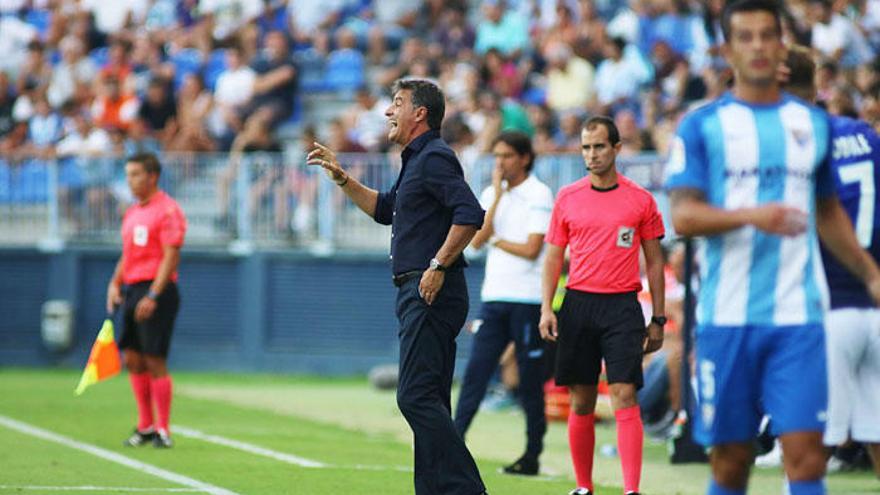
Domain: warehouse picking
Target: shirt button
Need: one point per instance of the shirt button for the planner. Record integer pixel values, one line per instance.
(390, 256)
(393, 213)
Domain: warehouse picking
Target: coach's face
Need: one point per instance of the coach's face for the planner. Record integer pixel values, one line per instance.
(755, 47)
(597, 150)
(139, 180)
(403, 118)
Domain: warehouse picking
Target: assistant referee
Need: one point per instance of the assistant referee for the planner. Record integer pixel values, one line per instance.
(145, 283)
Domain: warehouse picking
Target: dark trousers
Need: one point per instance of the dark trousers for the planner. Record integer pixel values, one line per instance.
(443, 465)
(504, 323)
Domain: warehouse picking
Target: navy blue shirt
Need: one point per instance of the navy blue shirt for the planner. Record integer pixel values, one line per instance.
(854, 165)
(430, 196)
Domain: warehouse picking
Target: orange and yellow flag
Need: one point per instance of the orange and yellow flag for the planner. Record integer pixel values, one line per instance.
(103, 361)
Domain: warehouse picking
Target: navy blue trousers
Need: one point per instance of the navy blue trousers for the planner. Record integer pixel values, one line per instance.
(504, 323)
(443, 464)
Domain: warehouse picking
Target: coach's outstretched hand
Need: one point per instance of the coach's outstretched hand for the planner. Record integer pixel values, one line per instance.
(326, 158)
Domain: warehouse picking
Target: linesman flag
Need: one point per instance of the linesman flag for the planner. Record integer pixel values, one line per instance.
(103, 361)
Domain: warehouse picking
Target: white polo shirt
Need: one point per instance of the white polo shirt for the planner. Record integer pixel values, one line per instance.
(522, 211)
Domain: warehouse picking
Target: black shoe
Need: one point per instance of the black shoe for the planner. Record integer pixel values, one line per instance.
(524, 466)
(162, 440)
(580, 491)
(139, 438)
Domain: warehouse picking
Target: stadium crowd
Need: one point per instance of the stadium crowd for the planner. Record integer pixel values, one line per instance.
(92, 78)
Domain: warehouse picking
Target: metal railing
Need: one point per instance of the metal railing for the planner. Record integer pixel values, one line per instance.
(243, 201)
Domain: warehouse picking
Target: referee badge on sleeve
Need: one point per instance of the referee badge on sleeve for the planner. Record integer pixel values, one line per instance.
(140, 235)
(625, 237)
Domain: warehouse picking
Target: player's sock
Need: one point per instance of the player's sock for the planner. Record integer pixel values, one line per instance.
(161, 389)
(140, 386)
(630, 435)
(715, 489)
(813, 487)
(582, 442)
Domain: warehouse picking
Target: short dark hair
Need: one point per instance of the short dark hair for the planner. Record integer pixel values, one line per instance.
(802, 68)
(149, 161)
(424, 94)
(735, 6)
(608, 123)
(520, 142)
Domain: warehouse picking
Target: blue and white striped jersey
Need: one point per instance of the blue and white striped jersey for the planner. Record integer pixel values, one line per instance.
(744, 155)
(855, 167)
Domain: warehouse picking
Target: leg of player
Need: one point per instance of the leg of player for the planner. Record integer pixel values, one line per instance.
(803, 457)
(630, 433)
(582, 435)
(730, 468)
(140, 387)
(160, 389)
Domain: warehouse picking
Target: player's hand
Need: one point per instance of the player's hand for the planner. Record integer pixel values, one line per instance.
(144, 309)
(430, 285)
(775, 218)
(325, 158)
(114, 297)
(497, 178)
(653, 338)
(547, 326)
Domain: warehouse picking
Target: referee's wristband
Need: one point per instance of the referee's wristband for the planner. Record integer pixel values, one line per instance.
(153, 295)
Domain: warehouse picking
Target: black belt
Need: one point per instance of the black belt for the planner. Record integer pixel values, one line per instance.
(405, 277)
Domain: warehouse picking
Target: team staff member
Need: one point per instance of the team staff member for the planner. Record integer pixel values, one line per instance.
(516, 220)
(433, 216)
(604, 219)
(145, 283)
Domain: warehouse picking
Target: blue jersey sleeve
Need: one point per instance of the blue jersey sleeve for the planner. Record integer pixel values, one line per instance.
(688, 164)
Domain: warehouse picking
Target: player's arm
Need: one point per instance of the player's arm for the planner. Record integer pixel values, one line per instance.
(656, 284)
(549, 280)
(114, 295)
(364, 197)
(836, 231)
(170, 260)
(692, 216)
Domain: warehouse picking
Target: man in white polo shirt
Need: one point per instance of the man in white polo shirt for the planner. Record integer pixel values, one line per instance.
(518, 208)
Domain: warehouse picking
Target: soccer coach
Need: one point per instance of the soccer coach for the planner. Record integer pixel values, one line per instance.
(433, 216)
(144, 282)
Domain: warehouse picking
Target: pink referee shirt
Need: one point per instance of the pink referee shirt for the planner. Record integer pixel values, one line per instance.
(145, 230)
(604, 230)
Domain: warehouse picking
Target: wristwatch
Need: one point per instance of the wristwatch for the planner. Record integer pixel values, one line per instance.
(660, 320)
(436, 265)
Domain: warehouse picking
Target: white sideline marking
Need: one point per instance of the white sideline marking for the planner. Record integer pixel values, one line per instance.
(247, 447)
(185, 431)
(113, 456)
(88, 488)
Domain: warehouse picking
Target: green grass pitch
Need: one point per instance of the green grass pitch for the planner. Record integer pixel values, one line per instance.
(271, 425)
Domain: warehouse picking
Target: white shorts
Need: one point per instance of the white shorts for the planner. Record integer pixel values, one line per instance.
(853, 346)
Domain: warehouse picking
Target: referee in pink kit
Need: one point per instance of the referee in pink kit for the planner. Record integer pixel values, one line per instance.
(603, 219)
(145, 283)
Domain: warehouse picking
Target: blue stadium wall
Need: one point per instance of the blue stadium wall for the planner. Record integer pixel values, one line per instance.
(265, 312)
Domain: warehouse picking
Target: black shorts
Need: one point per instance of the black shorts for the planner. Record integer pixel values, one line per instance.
(152, 336)
(593, 327)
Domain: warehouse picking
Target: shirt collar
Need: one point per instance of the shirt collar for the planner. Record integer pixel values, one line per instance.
(417, 144)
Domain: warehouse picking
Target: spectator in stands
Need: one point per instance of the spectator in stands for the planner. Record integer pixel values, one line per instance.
(393, 21)
(139, 139)
(633, 141)
(619, 78)
(345, 70)
(193, 104)
(412, 51)
(570, 84)
(274, 88)
(6, 103)
(118, 64)
(44, 128)
(225, 18)
(836, 37)
(112, 107)
(36, 69)
(453, 34)
(158, 111)
(501, 74)
(503, 29)
(73, 72)
(112, 17)
(232, 92)
(365, 120)
(310, 20)
(17, 35)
